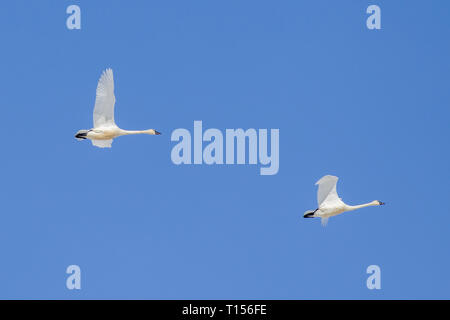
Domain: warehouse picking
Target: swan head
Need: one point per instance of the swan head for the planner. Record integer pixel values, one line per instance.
(380, 203)
(81, 135)
(152, 131)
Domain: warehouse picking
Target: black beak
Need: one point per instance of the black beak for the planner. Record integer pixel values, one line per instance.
(157, 133)
(381, 203)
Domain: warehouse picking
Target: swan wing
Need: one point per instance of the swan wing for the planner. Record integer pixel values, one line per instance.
(327, 190)
(102, 143)
(105, 100)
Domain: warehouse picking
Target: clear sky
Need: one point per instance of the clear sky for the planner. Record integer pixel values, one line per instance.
(369, 106)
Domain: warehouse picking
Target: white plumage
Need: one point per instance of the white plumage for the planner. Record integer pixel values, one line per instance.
(328, 202)
(105, 128)
(105, 100)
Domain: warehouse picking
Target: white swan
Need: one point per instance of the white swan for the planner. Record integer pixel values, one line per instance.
(105, 129)
(329, 203)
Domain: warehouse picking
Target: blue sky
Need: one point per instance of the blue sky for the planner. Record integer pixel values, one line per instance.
(371, 107)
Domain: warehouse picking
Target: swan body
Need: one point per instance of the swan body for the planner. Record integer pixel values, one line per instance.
(329, 203)
(105, 128)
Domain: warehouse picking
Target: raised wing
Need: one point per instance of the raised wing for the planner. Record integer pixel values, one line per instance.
(327, 190)
(102, 143)
(105, 100)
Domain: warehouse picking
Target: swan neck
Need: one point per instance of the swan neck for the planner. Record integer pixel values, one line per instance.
(127, 132)
(350, 208)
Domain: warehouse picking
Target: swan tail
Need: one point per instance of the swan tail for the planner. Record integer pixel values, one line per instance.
(309, 214)
(324, 221)
(81, 135)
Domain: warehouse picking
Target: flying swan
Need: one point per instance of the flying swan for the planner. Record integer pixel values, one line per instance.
(329, 203)
(105, 129)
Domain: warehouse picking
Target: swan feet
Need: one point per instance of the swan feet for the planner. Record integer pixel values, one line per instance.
(309, 214)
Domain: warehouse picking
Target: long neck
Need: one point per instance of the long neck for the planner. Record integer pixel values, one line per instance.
(350, 208)
(126, 132)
